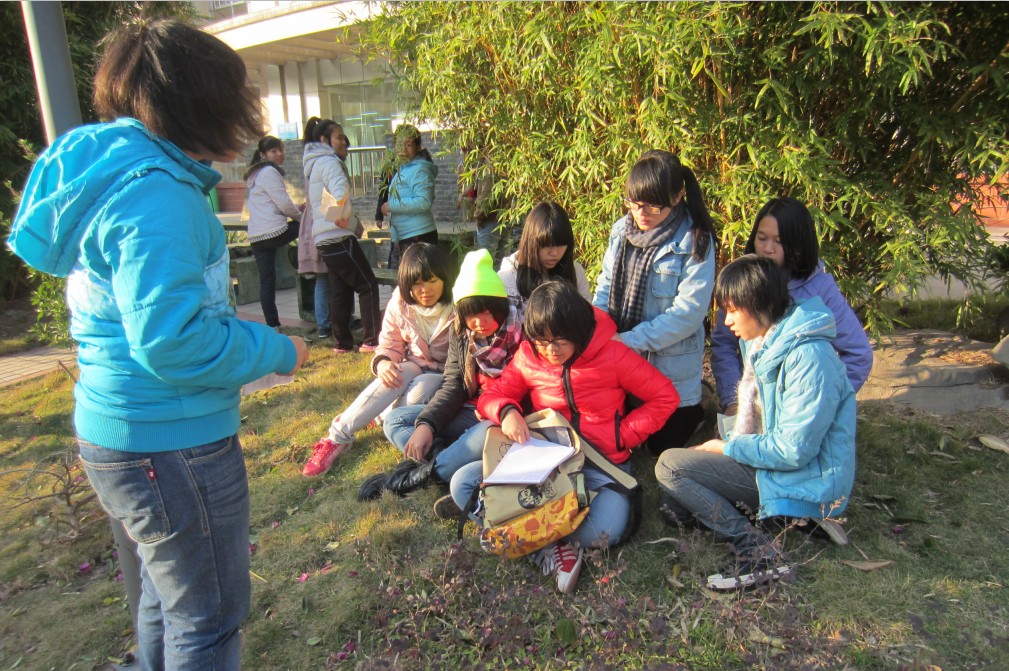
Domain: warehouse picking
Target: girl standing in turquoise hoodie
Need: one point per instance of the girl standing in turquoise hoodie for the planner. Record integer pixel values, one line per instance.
(121, 210)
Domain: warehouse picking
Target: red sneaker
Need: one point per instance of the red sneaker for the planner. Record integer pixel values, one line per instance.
(324, 453)
(562, 560)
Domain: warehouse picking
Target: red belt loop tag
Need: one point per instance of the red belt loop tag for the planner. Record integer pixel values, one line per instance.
(151, 475)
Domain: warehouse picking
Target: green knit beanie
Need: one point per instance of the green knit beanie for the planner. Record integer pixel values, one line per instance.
(477, 277)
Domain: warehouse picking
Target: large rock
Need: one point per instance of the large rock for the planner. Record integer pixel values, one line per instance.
(936, 371)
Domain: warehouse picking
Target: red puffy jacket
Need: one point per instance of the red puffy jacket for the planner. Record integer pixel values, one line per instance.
(589, 391)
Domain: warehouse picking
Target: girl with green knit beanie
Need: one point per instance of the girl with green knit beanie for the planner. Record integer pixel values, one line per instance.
(487, 332)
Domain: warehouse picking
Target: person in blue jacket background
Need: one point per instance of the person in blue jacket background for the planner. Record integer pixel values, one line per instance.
(783, 231)
(121, 210)
(791, 452)
(411, 193)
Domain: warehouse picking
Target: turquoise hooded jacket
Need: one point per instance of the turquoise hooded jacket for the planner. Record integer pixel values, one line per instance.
(805, 458)
(123, 215)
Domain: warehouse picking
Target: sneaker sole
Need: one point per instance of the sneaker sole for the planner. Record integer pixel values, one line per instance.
(723, 583)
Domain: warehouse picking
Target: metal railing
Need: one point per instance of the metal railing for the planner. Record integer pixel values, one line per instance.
(364, 165)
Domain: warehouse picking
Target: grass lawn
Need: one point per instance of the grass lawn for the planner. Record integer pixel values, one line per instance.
(343, 585)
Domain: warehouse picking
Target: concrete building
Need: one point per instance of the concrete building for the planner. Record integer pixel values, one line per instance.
(300, 57)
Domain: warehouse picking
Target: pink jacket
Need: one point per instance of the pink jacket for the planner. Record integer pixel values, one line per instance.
(400, 341)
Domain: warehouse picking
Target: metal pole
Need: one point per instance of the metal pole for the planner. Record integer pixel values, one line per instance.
(54, 74)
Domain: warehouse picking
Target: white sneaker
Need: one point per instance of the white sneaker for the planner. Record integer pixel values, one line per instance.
(748, 573)
(562, 560)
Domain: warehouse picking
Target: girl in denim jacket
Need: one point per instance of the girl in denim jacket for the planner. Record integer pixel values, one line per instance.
(657, 278)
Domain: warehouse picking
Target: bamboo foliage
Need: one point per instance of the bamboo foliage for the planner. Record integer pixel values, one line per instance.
(879, 116)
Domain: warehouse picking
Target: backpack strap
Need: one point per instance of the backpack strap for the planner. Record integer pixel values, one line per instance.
(625, 484)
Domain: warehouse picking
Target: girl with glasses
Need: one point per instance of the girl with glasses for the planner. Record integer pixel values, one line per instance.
(657, 278)
(571, 363)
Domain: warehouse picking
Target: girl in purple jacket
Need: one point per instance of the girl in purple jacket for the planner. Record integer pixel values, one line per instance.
(783, 232)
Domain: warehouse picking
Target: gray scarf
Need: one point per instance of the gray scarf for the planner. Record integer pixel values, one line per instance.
(632, 267)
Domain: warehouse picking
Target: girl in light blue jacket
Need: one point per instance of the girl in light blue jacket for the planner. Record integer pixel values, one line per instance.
(783, 231)
(411, 193)
(656, 282)
(792, 450)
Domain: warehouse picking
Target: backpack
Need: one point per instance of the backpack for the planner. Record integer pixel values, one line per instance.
(518, 519)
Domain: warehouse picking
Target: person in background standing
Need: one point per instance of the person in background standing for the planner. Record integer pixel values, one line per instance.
(411, 193)
(273, 219)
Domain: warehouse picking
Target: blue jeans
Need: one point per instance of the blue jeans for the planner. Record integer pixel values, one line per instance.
(708, 487)
(188, 510)
(603, 526)
(322, 304)
(465, 431)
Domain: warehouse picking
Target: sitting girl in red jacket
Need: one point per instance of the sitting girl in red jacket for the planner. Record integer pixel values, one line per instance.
(570, 363)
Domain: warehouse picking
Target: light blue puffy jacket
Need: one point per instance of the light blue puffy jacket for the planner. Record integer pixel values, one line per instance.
(851, 343)
(805, 458)
(411, 195)
(123, 214)
(671, 333)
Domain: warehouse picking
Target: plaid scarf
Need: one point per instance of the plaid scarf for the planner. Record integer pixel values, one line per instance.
(749, 415)
(632, 267)
(490, 355)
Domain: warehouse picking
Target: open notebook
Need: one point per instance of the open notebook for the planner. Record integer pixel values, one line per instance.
(529, 463)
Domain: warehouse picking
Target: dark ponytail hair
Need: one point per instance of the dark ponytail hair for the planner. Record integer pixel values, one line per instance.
(657, 178)
(316, 129)
(547, 225)
(258, 162)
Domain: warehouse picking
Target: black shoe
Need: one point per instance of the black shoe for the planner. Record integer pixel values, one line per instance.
(403, 481)
(373, 487)
(749, 572)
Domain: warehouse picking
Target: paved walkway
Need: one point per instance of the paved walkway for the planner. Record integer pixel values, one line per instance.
(34, 363)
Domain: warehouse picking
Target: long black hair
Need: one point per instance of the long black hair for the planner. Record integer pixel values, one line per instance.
(657, 178)
(796, 233)
(547, 225)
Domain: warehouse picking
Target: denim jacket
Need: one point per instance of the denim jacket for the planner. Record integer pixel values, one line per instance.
(671, 335)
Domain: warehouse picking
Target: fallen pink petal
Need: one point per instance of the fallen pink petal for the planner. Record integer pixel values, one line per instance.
(85, 567)
(303, 577)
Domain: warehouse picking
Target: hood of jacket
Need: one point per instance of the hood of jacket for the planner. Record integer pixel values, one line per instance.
(72, 180)
(806, 321)
(605, 329)
(313, 152)
(417, 165)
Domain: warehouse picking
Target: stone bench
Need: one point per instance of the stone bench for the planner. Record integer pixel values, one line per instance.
(245, 273)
